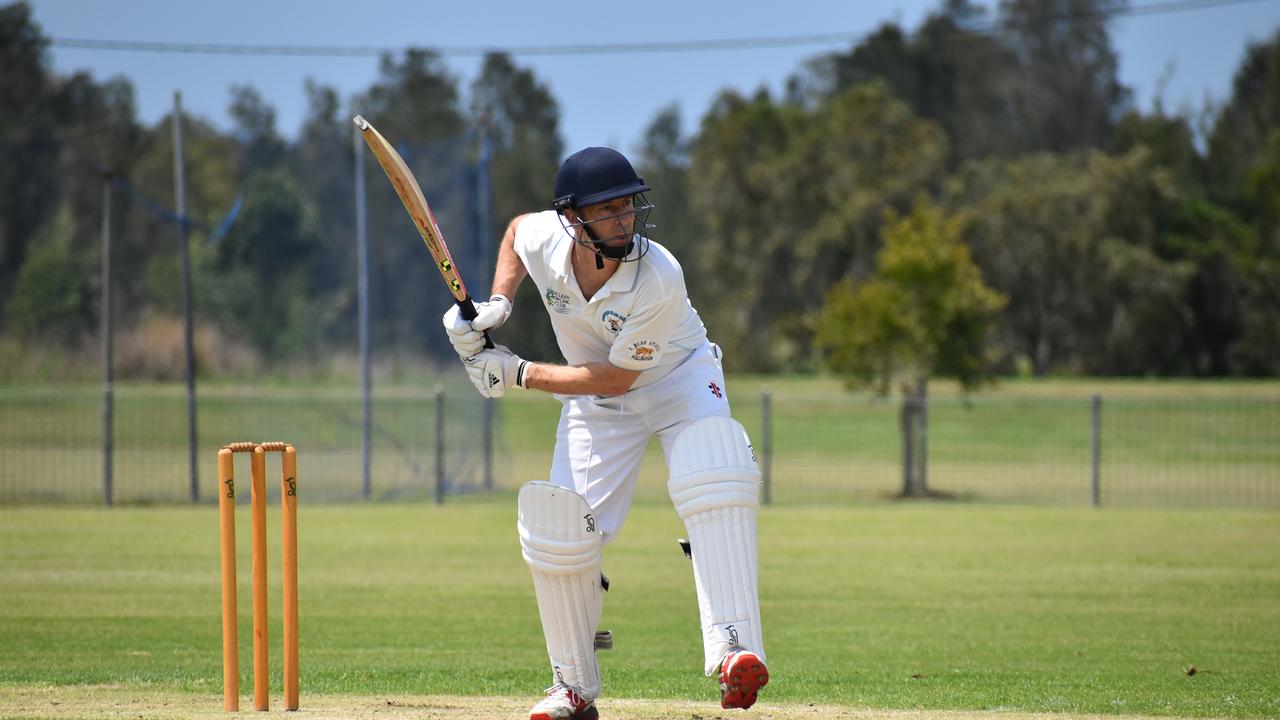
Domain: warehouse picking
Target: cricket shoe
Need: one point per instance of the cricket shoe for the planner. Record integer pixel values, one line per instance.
(742, 674)
(564, 703)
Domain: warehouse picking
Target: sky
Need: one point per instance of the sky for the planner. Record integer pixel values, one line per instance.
(1182, 58)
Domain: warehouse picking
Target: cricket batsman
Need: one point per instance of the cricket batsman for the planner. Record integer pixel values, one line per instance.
(637, 364)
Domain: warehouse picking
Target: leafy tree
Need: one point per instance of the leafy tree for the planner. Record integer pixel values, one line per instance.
(1242, 130)
(147, 258)
(53, 298)
(1069, 95)
(663, 161)
(28, 139)
(1082, 246)
(794, 198)
(924, 313)
(518, 116)
(321, 163)
(1047, 82)
(414, 103)
(255, 129)
(1170, 141)
(261, 281)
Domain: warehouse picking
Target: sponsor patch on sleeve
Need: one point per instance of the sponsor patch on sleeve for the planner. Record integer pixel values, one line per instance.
(643, 350)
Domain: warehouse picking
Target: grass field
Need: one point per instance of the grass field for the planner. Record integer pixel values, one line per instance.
(928, 608)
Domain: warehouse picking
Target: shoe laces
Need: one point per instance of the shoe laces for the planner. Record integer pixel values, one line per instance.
(571, 694)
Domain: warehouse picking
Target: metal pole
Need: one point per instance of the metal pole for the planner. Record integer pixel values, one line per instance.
(180, 190)
(362, 269)
(766, 470)
(439, 445)
(488, 409)
(107, 430)
(924, 439)
(1096, 446)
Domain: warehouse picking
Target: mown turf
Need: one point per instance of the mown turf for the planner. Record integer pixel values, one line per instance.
(933, 606)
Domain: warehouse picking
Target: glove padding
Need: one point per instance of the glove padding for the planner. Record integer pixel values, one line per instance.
(467, 336)
(493, 371)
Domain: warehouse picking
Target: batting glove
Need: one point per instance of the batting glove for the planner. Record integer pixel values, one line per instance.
(494, 371)
(467, 336)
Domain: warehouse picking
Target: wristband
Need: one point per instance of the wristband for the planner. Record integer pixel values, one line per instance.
(520, 373)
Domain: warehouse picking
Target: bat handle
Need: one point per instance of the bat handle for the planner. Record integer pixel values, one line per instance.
(467, 309)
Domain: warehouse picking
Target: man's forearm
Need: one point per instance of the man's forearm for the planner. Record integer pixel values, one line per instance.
(509, 271)
(599, 378)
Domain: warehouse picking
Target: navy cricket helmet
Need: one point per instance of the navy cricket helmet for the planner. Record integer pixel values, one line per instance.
(593, 175)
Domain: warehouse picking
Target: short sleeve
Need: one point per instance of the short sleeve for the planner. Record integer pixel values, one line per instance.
(647, 333)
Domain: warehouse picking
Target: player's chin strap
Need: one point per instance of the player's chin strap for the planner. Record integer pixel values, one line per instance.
(640, 235)
(605, 251)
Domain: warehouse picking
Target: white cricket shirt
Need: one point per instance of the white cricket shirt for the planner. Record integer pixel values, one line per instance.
(640, 320)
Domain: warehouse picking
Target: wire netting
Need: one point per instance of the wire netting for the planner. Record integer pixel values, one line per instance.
(1151, 452)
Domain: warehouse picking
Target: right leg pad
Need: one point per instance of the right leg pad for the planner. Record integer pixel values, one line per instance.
(563, 547)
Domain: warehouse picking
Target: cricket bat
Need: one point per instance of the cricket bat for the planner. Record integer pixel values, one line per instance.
(415, 204)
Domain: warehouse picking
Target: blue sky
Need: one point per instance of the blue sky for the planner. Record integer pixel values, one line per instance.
(604, 99)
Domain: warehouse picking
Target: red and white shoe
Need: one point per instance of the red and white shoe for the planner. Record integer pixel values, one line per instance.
(742, 674)
(563, 703)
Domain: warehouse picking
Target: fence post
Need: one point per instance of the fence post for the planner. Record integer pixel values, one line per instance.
(1096, 447)
(188, 329)
(766, 442)
(362, 301)
(107, 429)
(439, 444)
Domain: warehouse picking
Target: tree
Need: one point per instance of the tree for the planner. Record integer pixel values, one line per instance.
(794, 198)
(28, 139)
(1069, 95)
(924, 313)
(520, 119)
(663, 161)
(1243, 127)
(53, 298)
(322, 165)
(1169, 140)
(414, 103)
(1046, 81)
(261, 281)
(255, 129)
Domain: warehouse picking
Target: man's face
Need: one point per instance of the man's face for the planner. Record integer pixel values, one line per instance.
(612, 221)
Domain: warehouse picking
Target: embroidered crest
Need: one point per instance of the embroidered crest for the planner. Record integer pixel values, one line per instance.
(643, 350)
(557, 301)
(613, 321)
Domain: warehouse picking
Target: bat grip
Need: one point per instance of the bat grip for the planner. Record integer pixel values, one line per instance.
(467, 309)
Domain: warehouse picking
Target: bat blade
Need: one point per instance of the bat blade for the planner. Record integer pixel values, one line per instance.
(406, 187)
(415, 203)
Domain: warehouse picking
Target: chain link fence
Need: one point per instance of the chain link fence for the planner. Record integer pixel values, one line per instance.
(436, 439)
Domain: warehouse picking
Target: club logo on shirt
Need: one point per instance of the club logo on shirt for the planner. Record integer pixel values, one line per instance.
(557, 301)
(613, 321)
(643, 350)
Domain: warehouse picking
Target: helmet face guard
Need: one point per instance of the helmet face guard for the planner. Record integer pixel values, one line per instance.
(633, 250)
(595, 175)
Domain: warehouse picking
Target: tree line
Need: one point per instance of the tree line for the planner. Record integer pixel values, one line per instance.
(1112, 239)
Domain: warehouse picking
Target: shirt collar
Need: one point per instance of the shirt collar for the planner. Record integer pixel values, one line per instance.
(624, 280)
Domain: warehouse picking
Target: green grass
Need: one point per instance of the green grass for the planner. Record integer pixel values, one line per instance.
(933, 606)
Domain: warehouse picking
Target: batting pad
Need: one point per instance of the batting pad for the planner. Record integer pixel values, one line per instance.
(715, 487)
(560, 543)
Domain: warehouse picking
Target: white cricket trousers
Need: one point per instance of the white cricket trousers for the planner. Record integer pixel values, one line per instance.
(601, 440)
